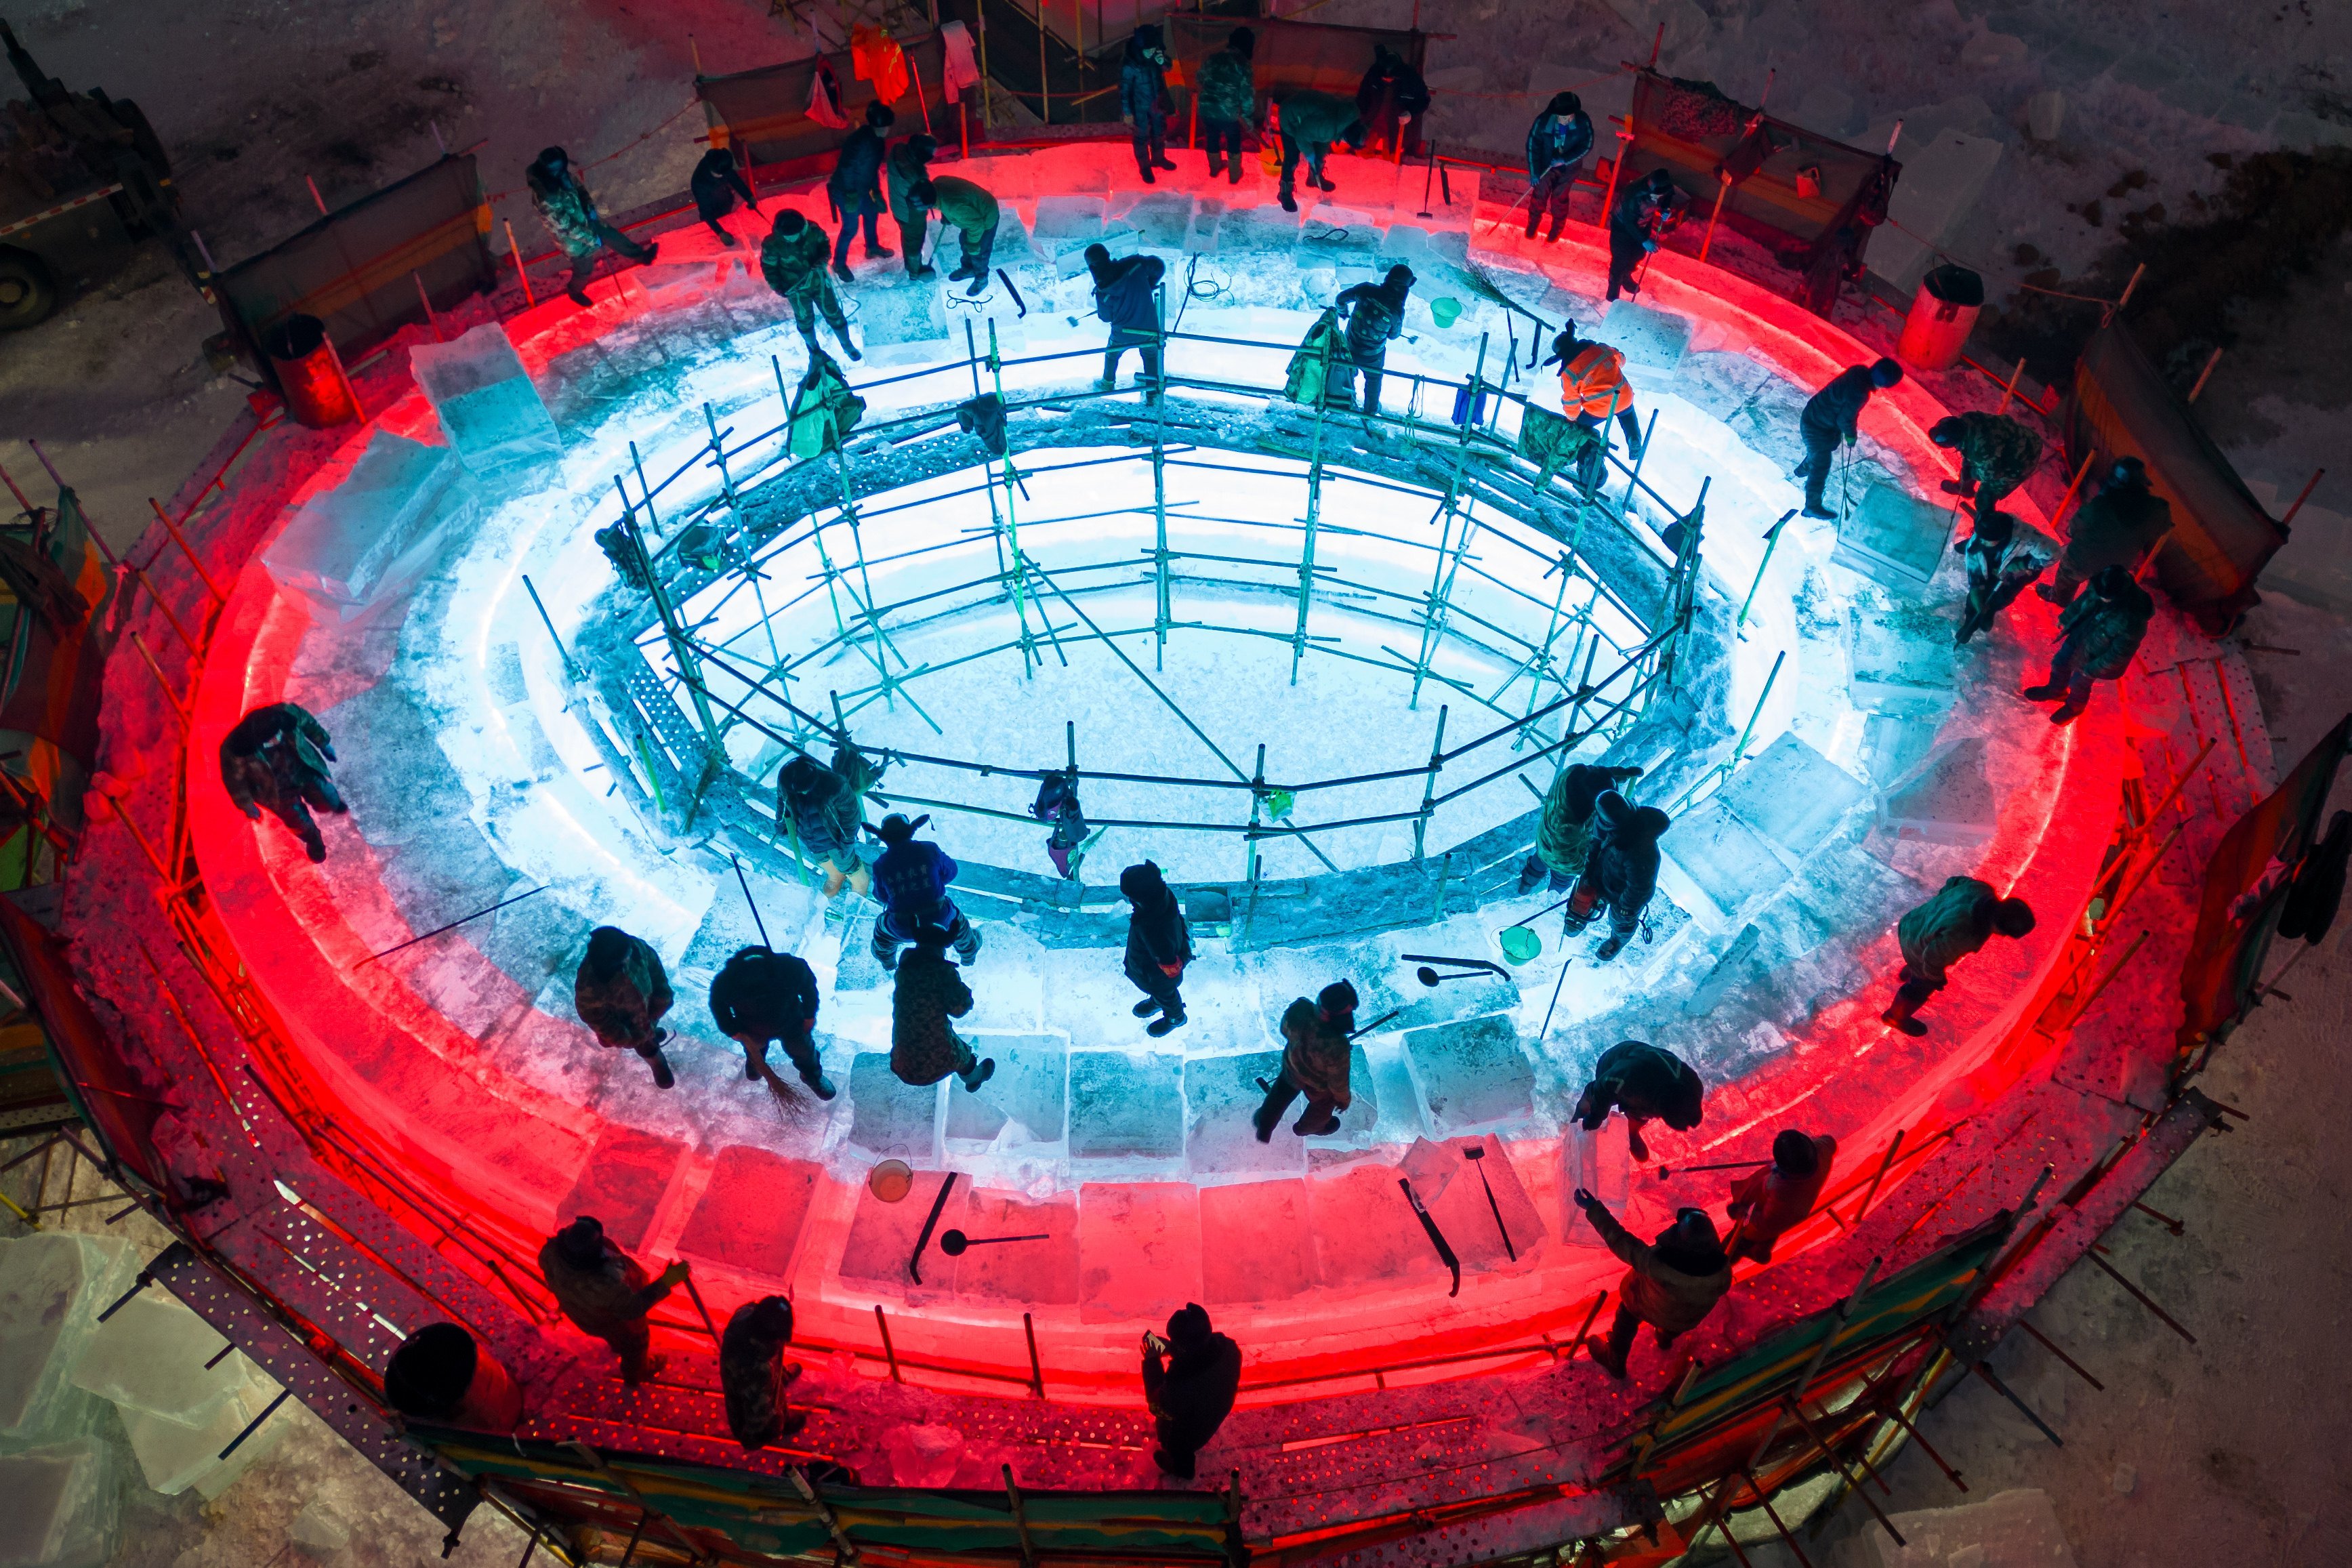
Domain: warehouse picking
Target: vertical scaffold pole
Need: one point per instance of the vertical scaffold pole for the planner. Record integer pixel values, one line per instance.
(689, 668)
(816, 529)
(1441, 581)
(1684, 591)
(1161, 611)
(987, 473)
(1017, 572)
(1540, 666)
(751, 572)
(1314, 515)
(1257, 799)
(891, 685)
(1429, 785)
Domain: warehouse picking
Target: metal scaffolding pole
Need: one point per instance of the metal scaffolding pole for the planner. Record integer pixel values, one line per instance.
(1017, 572)
(1314, 517)
(1440, 580)
(817, 529)
(689, 668)
(1429, 785)
(1162, 611)
(751, 573)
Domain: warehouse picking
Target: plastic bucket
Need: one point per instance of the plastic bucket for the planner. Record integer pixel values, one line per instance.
(317, 392)
(1445, 311)
(1943, 312)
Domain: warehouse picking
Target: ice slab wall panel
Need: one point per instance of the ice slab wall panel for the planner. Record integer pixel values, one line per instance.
(367, 539)
(493, 416)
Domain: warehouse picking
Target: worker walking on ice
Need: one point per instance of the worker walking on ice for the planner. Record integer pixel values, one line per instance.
(1964, 915)
(1126, 295)
(1671, 1284)
(973, 214)
(1621, 870)
(911, 880)
(570, 213)
(930, 995)
(1653, 208)
(1159, 946)
(1593, 391)
(2120, 526)
(605, 1293)
(1315, 1052)
(1768, 1203)
(622, 991)
(1832, 415)
(854, 188)
(762, 996)
(2099, 634)
(792, 259)
(1375, 313)
(1564, 829)
(1648, 1085)
(276, 757)
(1996, 455)
(821, 810)
(1558, 144)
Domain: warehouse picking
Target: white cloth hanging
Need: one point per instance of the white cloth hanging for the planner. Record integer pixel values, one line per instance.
(960, 70)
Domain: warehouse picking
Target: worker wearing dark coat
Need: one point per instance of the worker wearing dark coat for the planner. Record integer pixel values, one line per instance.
(605, 1293)
(569, 212)
(793, 260)
(2000, 564)
(1316, 1050)
(1564, 830)
(1309, 123)
(1671, 1284)
(1142, 98)
(1996, 455)
(911, 880)
(1962, 918)
(905, 167)
(1558, 144)
(716, 182)
(1190, 1381)
(753, 1373)
(820, 810)
(1126, 295)
(762, 995)
(1769, 1202)
(1832, 415)
(1648, 1085)
(1653, 208)
(854, 187)
(1621, 870)
(930, 992)
(621, 992)
(1159, 946)
(1226, 98)
(1375, 314)
(276, 757)
(2099, 634)
(1391, 100)
(2120, 526)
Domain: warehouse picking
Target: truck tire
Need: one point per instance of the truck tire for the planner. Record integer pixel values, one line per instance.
(27, 293)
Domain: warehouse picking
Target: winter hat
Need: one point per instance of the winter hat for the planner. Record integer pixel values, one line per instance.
(1142, 884)
(2013, 917)
(1337, 1000)
(933, 939)
(1241, 41)
(895, 829)
(791, 221)
(1189, 1326)
(431, 1371)
(1614, 810)
(2129, 471)
(879, 116)
(1886, 372)
(582, 1242)
(1690, 1246)
(1946, 432)
(1563, 345)
(922, 144)
(1097, 261)
(549, 157)
(1660, 181)
(1400, 279)
(1796, 1155)
(755, 950)
(1564, 103)
(2111, 581)
(771, 1318)
(607, 946)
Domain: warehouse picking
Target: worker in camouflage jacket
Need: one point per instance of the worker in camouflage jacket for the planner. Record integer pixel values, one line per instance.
(1375, 314)
(821, 810)
(1226, 100)
(753, 1373)
(1315, 1062)
(975, 213)
(605, 1293)
(2099, 634)
(905, 167)
(794, 259)
(1564, 830)
(1996, 455)
(1309, 123)
(276, 757)
(622, 991)
(930, 994)
(2000, 564)
(569, 212)
(1670, 1284)
(1959, 919)
(1648, 1084)
(1766, 1204)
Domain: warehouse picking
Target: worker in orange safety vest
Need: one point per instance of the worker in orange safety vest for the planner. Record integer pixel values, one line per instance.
(1593, 389)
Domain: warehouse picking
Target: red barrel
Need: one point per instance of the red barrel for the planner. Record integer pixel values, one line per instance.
(1943, 313)
(317, 392)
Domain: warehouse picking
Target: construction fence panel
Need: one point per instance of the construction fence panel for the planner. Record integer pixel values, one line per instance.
(359, 269)
(2121, 406)
(764, 113)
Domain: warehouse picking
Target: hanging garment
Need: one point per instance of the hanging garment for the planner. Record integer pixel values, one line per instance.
(825, 410)
(877, 58)
(958, 67)
(825, 97)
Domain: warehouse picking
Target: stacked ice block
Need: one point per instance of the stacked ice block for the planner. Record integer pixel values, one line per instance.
(369, 537)
(496, 423)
